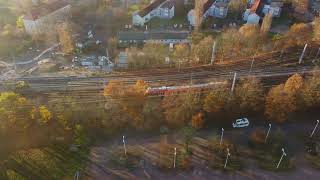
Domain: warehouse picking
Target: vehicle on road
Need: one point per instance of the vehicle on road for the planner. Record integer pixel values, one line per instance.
(240, 123)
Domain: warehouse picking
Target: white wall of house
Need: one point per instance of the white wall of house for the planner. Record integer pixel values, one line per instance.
(163, 13)
(191, 17)
(253, 19)
(137, 20)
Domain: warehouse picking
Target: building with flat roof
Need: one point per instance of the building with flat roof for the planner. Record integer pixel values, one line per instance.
(128, 38)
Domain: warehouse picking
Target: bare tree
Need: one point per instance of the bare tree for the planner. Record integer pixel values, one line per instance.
(65, 38)
(266, 24)
(198, 13)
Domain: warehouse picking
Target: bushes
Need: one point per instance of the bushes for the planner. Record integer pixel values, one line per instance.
(219, 153)
(268, 154)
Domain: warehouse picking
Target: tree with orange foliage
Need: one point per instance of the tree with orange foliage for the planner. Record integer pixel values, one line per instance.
(310, 92)
(298, 35)
(179, 108)
(249, 95)
(115, 88)
(294, 84)
(197, 121)
(279, 104)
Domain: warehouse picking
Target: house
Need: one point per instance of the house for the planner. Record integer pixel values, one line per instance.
(213, 8)
(163, 9)
(128, 38)
(259, 8)
(94, 62)
(45, 16)
(122, 60)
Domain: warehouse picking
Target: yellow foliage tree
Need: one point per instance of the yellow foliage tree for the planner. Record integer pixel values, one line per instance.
(198, 120)
(279, 104)
(294, 84)
(311, 90)
(45, 115)
(65, 38)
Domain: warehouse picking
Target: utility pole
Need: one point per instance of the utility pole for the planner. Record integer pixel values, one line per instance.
(302, 54)
(174, 157)
(265, 140)
(283, 154)
(234, 82)
(314, 130)
(213, 52)
(76, 176)
(124, 145)
(228, 155)
(281, 53)
(222, 130)
(191, 76)
(317, 55)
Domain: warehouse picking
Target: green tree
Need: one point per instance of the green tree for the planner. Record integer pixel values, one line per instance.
(19, 22)
(202, 51)
(249, 95)
(310, 92)
(151, 55)
(181, 53)
(80, 137)
(316, 29)
(279, 104)
(14, 112)
(179, 108)
(188, 133)
(217, 100)
(45, 115)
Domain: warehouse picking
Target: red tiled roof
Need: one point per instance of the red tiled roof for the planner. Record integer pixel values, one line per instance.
(45, 9)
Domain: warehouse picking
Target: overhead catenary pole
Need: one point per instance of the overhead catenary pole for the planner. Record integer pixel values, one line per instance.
(76, 176)
(314, 130)
(124, 145)
(302, 54)
(213, 52)
(317, 55)
(265, 140)
(228, 155)
(234, 82)
(174, 157)
(283, 154)
(222, 130)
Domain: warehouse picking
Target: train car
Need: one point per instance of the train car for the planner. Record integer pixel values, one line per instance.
(176, 89)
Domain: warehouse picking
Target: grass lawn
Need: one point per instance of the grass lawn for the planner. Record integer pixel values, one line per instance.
(314, 160)
(56, 162)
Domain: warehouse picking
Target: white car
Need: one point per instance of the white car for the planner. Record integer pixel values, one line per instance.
(240, 123)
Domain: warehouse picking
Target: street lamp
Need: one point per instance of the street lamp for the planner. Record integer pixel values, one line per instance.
(228, 155)
(222, 130)
(314, 130)
(283, 154)
(267, 133)
(124, 145)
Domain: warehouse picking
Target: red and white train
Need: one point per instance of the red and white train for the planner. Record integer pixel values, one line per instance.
(174, 89)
